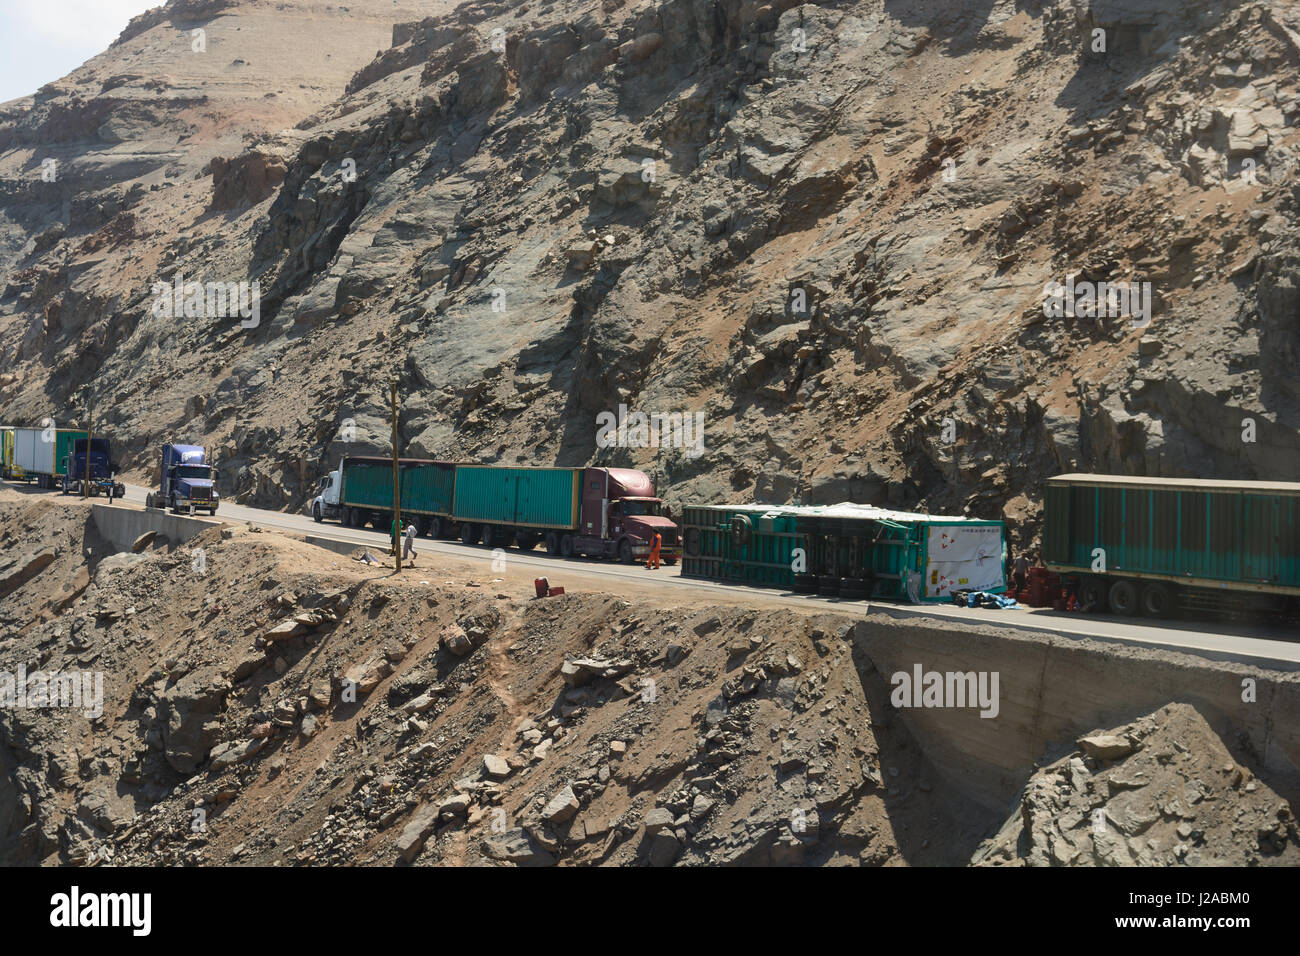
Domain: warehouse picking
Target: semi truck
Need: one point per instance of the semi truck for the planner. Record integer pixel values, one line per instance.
(591, 512)
(1153, 546)
(102, 469)
(187, 480)
(594, 512)
(40, 455)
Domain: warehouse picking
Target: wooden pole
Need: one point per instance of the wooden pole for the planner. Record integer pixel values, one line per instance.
(90, 434)
(397, 491)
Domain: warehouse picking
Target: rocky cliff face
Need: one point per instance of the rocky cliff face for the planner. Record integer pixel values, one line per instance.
(827, 227)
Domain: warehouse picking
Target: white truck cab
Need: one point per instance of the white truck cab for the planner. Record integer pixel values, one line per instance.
(326, 502)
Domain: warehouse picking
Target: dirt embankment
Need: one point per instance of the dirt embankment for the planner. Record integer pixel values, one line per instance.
(269, 702)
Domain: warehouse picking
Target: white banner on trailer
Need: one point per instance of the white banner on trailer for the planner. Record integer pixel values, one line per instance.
(963, 557)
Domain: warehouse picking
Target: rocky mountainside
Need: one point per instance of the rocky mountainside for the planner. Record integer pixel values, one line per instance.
(827, 227)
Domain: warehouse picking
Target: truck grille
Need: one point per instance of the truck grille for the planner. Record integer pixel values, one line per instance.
(200, 494)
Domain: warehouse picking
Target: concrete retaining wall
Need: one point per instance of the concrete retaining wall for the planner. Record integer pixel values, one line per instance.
(1053, 690)
(121, 526)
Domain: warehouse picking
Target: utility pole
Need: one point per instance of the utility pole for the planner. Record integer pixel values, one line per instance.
(90, 434)
(397, 491)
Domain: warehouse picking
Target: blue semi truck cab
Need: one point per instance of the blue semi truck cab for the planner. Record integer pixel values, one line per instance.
(102, 470)
(188, 481)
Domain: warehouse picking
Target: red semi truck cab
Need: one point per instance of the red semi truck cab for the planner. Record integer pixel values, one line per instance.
(618, 507)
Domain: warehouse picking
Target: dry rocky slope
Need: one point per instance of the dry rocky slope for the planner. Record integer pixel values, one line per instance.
(276, 703)
(560, 208)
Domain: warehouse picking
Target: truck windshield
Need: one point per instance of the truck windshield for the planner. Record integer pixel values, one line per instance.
(640, 507)
(193, 471)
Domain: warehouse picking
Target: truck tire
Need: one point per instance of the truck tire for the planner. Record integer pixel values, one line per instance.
(1156, 600)
(741, 531)
(315, 513)
(552, 543)
(468, 533)
(1092, 596)
(435, 529)
(694, 542)
(566, 546)
(1123, 598)
(148, 499)
(625, 551)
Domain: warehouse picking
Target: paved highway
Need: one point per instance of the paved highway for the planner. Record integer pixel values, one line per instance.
(1265, 646)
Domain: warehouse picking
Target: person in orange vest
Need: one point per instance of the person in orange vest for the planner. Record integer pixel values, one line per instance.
(652, 562)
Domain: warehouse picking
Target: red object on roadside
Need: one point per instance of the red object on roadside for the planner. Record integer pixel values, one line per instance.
(555, 591)
(542, 586)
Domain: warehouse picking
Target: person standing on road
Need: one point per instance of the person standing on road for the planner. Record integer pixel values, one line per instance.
(652, 562)
(394, 536)
(1022, 572)
(408, 551)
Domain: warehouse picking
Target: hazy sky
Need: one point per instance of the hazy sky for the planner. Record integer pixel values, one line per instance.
(42, 40)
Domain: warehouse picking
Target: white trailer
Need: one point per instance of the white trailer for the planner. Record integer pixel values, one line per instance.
(42, 454)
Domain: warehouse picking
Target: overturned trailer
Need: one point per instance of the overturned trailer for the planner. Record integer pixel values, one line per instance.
(845, 550)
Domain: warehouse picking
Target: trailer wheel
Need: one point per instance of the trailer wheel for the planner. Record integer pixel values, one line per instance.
(694, 541)
(566, 546)
(435, 527)
(1156, 600)
(805, 584)
(315, 513)
(552, 543)
(670, 561)
(741, 531)
(625, 551)
(468, 533)
(1092, 596)
(1123, 598)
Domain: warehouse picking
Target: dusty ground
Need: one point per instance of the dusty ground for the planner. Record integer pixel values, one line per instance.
(279, 704)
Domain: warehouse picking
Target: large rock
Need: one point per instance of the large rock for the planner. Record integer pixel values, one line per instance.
(413, 836)
(517, 847)
(563, 806)
(21, 570)
(1106, 746)
(187, 713)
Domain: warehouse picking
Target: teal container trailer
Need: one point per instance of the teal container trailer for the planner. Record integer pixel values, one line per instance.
(1130, 544)
(847, 550)
(518, 497)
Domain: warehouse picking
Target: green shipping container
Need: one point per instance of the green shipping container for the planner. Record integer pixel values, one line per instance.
(368, 484)
(428, 488)
(63, 440)
(847, 550)
(518, 497)
(1242, 535)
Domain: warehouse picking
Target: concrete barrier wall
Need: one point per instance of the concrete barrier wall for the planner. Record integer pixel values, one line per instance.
(1055, 689)
(121, 526)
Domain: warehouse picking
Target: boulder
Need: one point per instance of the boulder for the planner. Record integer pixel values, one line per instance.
(563, 806)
